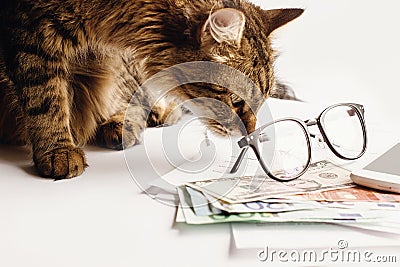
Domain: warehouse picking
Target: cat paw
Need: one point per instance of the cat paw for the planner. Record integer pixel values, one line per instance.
(161, 117)
(62, 163)
(117, 135)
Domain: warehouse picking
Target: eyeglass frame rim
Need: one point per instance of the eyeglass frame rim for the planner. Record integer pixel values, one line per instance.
(250, 140)
(360, 113)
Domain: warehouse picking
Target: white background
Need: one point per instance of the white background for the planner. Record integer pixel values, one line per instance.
(342, 51)
(338, 51)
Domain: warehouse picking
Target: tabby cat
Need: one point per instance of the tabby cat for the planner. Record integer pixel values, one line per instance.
(68, 68)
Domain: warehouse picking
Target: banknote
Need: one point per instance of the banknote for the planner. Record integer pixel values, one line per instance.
(334, 215)
(355, 193)
(293, 216)
(179, 217)
(204, 204)
(199, 203)
(322, 175)
(284, 205)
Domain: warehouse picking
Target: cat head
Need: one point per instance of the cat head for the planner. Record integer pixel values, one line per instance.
(238, 36)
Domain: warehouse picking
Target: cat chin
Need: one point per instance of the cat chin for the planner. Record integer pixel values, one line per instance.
(220, 130)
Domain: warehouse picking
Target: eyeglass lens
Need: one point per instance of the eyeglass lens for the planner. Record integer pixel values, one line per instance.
(344, 130)
(284, 149)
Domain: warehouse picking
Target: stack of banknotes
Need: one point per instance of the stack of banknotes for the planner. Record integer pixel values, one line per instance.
(324, 193)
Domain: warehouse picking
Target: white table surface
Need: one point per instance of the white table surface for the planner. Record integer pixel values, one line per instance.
(339, 51)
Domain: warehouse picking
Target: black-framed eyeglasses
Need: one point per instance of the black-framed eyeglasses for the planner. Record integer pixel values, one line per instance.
(283, 147)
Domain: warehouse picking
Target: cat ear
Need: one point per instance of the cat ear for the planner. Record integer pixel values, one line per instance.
(225, 25)
(276, 18)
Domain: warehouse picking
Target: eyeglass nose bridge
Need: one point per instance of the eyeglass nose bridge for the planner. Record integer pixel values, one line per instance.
(321, 142)
(311, 122)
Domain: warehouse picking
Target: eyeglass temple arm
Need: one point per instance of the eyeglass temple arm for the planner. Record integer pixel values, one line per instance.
(244, 143)
(239, 160)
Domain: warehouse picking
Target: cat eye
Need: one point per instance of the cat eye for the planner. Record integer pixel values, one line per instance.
(236, 100)
(283, 147)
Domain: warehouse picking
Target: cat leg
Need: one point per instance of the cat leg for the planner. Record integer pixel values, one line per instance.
(45, 102)
(122, 130)
(12, 130)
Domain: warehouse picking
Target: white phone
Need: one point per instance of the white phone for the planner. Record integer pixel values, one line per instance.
(383, 173)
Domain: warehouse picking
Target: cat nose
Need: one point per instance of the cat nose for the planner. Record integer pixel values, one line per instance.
(248, 119)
